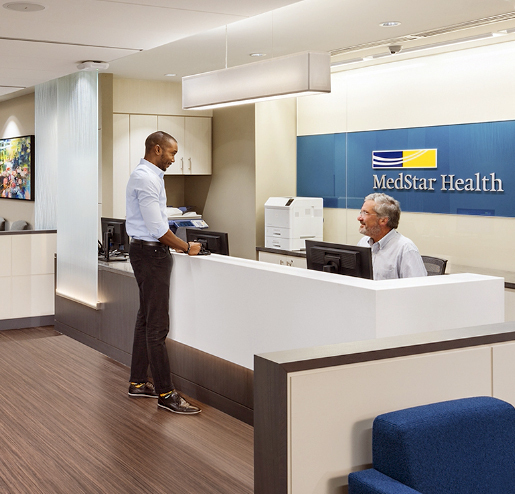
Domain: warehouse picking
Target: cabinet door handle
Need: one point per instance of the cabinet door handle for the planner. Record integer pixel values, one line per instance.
(182, 164)
(189, 159)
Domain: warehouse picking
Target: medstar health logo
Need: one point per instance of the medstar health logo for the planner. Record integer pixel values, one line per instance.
(410, 158)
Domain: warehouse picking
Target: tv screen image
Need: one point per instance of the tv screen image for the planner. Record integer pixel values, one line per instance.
(17, 168)
(349, 260)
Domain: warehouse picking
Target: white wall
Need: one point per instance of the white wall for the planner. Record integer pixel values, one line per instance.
(468, 86)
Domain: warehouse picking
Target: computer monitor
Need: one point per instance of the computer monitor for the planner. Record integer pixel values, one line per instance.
(214, 242)
(349, 260)
(115, 241)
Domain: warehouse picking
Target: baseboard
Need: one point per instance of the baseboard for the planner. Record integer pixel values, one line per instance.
(27, 322)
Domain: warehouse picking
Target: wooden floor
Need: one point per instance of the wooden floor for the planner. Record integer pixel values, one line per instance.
(68, 426)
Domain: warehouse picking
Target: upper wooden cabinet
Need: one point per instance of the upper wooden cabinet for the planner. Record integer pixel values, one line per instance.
(193, 136)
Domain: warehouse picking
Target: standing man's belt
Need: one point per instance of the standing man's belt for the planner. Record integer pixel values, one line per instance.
(145, 242)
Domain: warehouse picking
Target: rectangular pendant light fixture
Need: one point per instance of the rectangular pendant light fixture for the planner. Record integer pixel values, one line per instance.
(294, 75)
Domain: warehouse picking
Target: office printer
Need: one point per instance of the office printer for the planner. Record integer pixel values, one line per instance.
(289, 221)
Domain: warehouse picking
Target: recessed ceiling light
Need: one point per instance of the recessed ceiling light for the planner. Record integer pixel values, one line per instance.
(170, 75)
(258, 54)
(390, 24)
(23, 6)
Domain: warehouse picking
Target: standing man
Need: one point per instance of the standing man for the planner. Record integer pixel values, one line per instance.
(393, 255)
(151, 239)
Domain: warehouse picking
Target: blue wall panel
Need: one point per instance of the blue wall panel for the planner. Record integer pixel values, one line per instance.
(477, 158)
(316, 166)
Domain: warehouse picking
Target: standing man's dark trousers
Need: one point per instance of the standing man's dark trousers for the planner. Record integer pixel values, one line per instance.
(152, 265)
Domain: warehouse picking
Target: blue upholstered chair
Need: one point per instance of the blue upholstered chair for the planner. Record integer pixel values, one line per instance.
(464, 446)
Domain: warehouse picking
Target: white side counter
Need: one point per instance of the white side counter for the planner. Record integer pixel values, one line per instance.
(235, 308)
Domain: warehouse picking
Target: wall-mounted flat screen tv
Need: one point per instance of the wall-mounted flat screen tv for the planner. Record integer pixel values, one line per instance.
(17, 168)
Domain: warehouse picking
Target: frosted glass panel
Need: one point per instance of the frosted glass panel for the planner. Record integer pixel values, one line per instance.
(45, 206)
(77, 182)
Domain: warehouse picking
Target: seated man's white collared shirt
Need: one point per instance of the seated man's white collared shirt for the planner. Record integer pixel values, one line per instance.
(394, 256)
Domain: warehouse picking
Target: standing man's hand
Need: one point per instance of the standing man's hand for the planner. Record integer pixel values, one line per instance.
(194, 248)
(190, 248)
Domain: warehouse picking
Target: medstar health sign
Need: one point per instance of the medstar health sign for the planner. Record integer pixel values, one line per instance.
(456, 169)
(426, 158)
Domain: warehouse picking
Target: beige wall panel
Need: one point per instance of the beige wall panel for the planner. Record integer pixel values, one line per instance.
(32, 295)
(121, 162)
(335, 225)
(175, 186)
(509, 305)
(106, 140)
(324, 113)
(332, 409)
(13, 210)
(33, 254)
(230, 198)
(150, 97)
(466, 86)
(17, 116)
(504, 371)
(276, 155)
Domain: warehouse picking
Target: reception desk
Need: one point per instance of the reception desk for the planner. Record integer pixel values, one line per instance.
(235, 308)
(225, 310)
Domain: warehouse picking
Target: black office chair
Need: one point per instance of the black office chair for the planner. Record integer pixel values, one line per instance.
(434, 265)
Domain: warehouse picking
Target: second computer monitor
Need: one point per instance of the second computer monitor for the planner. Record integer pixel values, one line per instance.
(349, 260)
(214, 242)
(114, 236)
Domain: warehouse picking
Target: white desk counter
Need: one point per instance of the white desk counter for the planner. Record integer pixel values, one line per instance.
(235, 308)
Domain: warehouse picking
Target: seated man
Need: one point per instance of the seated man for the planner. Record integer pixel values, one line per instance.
(393, 255)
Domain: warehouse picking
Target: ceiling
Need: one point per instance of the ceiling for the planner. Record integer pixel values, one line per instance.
(146, 39)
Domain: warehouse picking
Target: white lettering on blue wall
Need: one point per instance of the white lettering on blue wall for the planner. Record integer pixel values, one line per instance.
(406, 181)
(477, 184)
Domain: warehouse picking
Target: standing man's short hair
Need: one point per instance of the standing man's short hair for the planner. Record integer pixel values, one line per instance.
(159, 138)
(386, 207)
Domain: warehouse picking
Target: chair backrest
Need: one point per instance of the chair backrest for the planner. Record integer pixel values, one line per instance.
(20, 225)
(434, 265)
(454, 447)
(2, 224)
